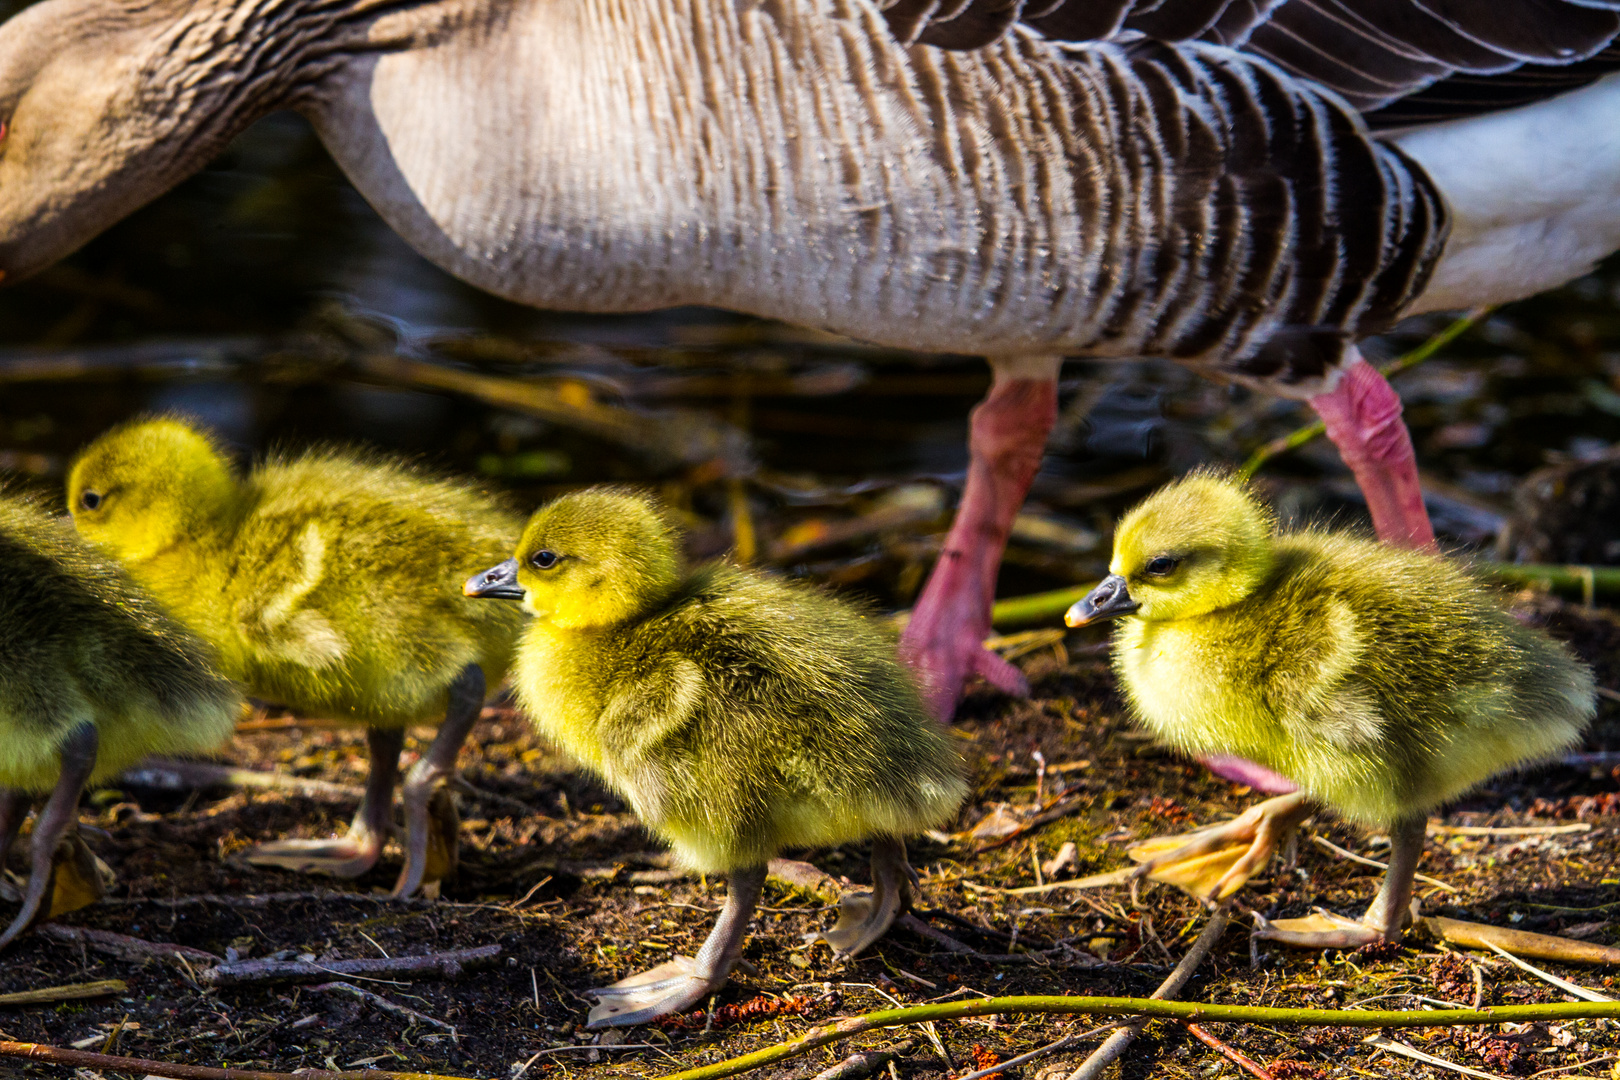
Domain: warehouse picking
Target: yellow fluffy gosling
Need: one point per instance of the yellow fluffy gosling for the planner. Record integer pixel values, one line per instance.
(328, 582)
(739, 715)
(1383, 681)
(94, 676)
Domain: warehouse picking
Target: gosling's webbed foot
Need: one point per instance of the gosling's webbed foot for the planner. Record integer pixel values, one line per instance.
(862, 919)
(1214, 863)
(346, 856)
(1321, 930)
(866, 916)
(671, 987)
(432, 824)
(78, 878)
(75, 879)
(432, 845)
(355, 852)
(63, 874)
(684, 981)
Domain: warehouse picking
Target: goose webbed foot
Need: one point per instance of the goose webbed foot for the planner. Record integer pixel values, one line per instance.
(944, 638)
(63, 874)
(678, 984)
(671, 987)
(346, 856)
(1388, 915)
(355, 852)
(1214, 863)
(866, 916)
(1321, 930)
(432, 824)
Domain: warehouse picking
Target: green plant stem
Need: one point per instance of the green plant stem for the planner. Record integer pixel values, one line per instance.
(1579, 580)
(1300, 436)
(837, 1030)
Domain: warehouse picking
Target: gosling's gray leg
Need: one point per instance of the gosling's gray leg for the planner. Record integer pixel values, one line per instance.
(865, 917)
(1384, 920)
(357, 851)
(68, 877)
(13, 811)
(432, 826)
(684, 981)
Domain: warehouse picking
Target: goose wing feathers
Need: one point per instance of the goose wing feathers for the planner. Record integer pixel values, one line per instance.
(1400, 62)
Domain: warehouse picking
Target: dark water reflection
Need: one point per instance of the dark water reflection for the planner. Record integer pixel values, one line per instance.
(267, 298)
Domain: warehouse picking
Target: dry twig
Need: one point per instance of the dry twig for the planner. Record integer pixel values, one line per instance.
(125, 947)
(443, 965)
(866, 1062)
(1115, 1045)
(71, 992)
(1236, 1057)
(377, 1001)
(85, 1059)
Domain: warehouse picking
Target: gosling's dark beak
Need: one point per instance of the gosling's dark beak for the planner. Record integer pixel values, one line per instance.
(496, 583)
(1106, 601)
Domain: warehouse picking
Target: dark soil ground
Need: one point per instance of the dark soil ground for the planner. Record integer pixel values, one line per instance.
(559, 874)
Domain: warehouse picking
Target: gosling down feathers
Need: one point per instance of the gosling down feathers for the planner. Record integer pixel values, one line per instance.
(328, 582)
(94, 676)
(737, 713)
(1383, 681)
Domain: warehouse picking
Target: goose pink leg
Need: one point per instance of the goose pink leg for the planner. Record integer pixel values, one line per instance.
(943, 641)
(1363, 418)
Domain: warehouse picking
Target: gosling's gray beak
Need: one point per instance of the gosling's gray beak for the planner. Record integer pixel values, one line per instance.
(496, 583)
(1106, 601)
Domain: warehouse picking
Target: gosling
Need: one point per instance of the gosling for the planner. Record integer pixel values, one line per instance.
(94, 676)
(1383, 681)
(330, 583)
(738, 714)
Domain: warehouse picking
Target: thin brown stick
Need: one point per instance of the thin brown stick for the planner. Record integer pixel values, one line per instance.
(260, 900)
(950, 944)
(377, 1001)
(1236, 1057)
(1061, 806)
(866, 1062)
(1106, 1054)
(125, 947)
(85, 1059)
(72, 992)
(444, 965)
(186, 775)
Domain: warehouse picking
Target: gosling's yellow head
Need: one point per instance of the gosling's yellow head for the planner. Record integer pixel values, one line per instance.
(594, 558)
(1195, 545)
(144, 486)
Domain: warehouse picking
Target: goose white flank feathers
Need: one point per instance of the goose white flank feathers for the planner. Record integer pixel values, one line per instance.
(1244, 186)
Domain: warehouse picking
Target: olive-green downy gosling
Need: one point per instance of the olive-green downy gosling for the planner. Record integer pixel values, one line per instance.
(94, 676)
(330, 583)
(1383, 681)
(737, 713)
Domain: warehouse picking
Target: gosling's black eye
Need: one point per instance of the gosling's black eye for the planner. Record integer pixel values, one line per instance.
(544, 559)
(90, 500)
(1160, 565)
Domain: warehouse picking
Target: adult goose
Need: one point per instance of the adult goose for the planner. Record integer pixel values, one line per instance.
(1243, 185)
